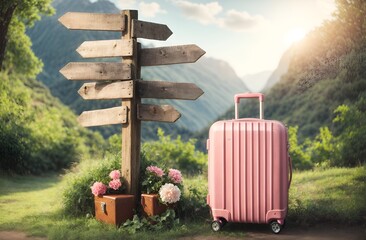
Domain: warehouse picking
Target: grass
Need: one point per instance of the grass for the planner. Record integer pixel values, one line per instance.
(333, 195)
(33, 205)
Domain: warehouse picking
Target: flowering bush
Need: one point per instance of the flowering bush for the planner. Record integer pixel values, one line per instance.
(175, 176)
(114, 185)
(169, 193)
(168, 186)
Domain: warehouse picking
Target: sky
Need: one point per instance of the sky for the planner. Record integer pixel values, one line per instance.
(251, 35)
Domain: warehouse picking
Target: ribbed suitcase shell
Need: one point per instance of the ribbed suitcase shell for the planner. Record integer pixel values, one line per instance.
(248, 171)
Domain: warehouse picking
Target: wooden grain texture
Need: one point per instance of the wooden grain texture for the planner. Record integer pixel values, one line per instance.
(93, 21)
(162, 113)
(102, 90)
(96, 71)
(105, 48)
(116, 115)
(149, 30)
(170, 55)
(168, 90)
(131, 132)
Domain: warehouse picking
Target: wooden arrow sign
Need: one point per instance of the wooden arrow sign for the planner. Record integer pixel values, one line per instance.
(105, 48)
(96, 71)
(116, 115)
(102, 90)
(170, 55)
(168, 90)
(149, 30)
(164, 113)
(93, 21)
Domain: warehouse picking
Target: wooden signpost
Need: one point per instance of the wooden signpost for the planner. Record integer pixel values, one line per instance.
(122, 80)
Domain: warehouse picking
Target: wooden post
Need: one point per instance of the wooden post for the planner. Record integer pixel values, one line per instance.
(131, 131)
(131, 89)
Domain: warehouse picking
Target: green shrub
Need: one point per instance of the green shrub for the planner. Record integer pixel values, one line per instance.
(351, 123)
(37, 134)
(193, 204)
(78, 199)
(323, 149)
(176, 154)
(300, 157)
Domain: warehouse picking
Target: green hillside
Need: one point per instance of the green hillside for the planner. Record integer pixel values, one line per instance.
(37, 132)
(327, 69)
(324, 87)
(56, 45)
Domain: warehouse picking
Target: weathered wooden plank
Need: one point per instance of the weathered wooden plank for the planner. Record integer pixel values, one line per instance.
(93, 21)
(131, 132)
(168, 90)
(170, 55)
(96, 71)
(116, 115)
(105, 48)
(163, 113)
(102, 90)
(149, 30)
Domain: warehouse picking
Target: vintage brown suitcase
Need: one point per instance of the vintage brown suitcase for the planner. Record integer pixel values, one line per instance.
(114, 209)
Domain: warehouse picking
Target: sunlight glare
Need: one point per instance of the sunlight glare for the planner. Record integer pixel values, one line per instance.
(294, 35)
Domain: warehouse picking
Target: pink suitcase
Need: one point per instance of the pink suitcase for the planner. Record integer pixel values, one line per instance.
(249, 170)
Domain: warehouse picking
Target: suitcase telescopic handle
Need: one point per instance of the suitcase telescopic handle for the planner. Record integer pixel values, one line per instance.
(239, 96)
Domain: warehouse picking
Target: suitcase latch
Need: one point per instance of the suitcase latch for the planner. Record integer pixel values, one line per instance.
(103, 206)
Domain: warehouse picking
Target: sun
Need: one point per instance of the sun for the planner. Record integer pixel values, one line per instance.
(294, 35)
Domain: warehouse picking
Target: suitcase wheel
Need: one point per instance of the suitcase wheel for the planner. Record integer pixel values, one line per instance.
(216, 225)
(275, 227)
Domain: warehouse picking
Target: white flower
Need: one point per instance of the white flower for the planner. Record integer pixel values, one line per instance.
(169, 193)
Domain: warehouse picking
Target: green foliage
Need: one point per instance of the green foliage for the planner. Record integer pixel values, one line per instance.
(193, 202)
(166, 220)
(175, 154)
(324, 148)
(344, 149)
(29, 11)
(352, 137)
(78, 199)
(300, 158)
(19, 56)
(151, 183)
(37, 134)
(335, 195)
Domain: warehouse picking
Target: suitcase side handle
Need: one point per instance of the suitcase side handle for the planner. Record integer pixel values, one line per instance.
(239, 96)
(290, 169)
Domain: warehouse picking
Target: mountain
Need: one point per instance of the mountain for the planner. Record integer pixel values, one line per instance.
(56, 45)
(256, 82)
(323, 72)
(280, 70)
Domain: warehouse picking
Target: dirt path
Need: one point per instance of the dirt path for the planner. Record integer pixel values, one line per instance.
(261, 232)
(13, 235)
(291, 232)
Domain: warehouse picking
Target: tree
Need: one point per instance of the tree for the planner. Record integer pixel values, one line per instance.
(351, 121)
(15, 51)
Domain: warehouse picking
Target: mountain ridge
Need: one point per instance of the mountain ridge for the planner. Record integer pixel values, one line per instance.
(56, 45)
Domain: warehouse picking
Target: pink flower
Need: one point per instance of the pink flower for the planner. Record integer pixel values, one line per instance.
(115, 184)
(175, 175)
(98, 188)
(115, 174)
(155, 170)
(169, 193)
